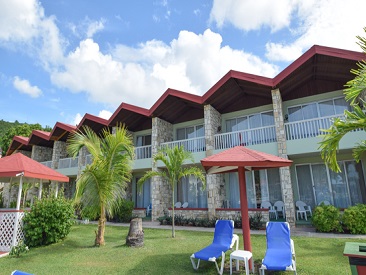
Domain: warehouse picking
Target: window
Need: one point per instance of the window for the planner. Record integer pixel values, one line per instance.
(252, 129)
(142, 194)
(190, 190)
(141, 151)
(324, 108)
(193, 136)
(317, 183)
(262, 185)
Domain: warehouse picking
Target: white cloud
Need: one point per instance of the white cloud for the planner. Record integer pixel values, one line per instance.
(87, 27)
(105, 114)
(23, 86)
(252, 15)
(191, 63)
(24, 27)
(19, 20)
(333, 23)
(78, 117)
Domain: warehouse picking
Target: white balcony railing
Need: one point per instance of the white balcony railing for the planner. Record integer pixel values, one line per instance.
(47, 163)
(68, 163)
(245, 137)
(88, 159)
(192, 144)
(143, 152)
(308, 128)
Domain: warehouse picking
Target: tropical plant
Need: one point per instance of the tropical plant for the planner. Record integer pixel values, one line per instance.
(356, 119)
(103, 182)
(174, 160)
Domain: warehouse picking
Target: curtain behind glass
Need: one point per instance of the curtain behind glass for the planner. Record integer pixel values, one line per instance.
(234, 192)
(191, 190)
(326, 108)
(143, 195)
(321, 185)
(339, 188)
(356, 182)
(305, 184)
(274, 185)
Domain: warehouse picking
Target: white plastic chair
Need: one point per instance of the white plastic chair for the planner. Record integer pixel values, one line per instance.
(280, 208)
(271, 211)
(178, 204)
(324, 202)
(303, 209)
(185, 205)
(148, 210)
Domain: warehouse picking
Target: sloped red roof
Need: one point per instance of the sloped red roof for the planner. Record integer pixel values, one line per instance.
(17, 163)
(240, 156)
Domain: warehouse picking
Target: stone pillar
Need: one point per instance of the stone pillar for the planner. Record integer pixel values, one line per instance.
(82, 159)
(58, 152)
(25, 153)
(214, 183)
(286, 185)
(161, 191)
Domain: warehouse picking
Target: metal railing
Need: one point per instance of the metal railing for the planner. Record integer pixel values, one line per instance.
(308, 128)
(47, 163)
(192, 144)
(245, 137)
(68, 163)
(143, 152)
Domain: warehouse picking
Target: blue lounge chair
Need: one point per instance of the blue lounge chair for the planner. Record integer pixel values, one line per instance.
(224, 239)
(280, 254)
(18, 272)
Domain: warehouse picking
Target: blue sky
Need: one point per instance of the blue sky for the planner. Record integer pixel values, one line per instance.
(62, 59)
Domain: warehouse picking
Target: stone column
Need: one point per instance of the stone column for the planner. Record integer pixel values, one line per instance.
(286, 185)
(59, 152)
(214, 183)
(161, 191)
(25, 153)
(40, 153)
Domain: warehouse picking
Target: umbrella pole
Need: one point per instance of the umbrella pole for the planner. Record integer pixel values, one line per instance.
(244, 211)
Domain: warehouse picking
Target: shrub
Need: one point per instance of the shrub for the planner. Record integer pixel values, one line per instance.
(48, 221)
(19, 249)
(256, 222)
(123, 211)
(354, 219)
(326, 218)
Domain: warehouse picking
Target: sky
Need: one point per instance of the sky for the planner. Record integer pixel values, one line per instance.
(62, 59)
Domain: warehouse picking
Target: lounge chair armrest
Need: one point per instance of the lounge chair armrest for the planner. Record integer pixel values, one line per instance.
(292, 247)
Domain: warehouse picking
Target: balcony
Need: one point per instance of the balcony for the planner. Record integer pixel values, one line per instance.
(193, 145)
(245, 137)
(47, 163)
(308, 128)
(143, 152)
(68, 163)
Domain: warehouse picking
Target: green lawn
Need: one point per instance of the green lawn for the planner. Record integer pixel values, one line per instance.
(161, 254)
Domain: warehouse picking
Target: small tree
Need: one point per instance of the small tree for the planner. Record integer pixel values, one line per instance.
(103, 182)
(355, 94)
(174, 160)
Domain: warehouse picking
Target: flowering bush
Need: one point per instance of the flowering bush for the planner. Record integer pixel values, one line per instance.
(18, 249)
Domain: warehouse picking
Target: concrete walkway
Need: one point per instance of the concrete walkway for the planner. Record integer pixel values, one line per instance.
(298, 231)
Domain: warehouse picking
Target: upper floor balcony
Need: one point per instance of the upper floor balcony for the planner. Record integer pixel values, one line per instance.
(308, 128)
(68, 163)
(193, 145)
(143, 152)
(47, 163)
(248, 137)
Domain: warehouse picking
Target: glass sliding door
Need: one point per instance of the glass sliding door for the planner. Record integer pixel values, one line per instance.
(142, 194)
(190, 190)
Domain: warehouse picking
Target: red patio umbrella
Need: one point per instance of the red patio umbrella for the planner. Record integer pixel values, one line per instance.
(238, 159)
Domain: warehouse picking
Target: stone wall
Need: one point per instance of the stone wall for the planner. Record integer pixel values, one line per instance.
(161, 191)
(40, 153)
(286, 185)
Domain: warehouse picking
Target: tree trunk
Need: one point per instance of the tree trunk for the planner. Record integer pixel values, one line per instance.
(99, 235)
(135, 236)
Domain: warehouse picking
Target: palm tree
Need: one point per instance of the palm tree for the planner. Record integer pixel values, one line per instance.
(355, 94)
(174, 160)
(103, 182)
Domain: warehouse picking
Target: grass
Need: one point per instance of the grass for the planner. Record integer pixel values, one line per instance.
(162, 254)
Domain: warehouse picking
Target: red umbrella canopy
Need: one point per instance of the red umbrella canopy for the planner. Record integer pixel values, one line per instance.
(18, 163)
(240, 156)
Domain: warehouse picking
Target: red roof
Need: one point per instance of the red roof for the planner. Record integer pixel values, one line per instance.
(17, 163)
(240, 156)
